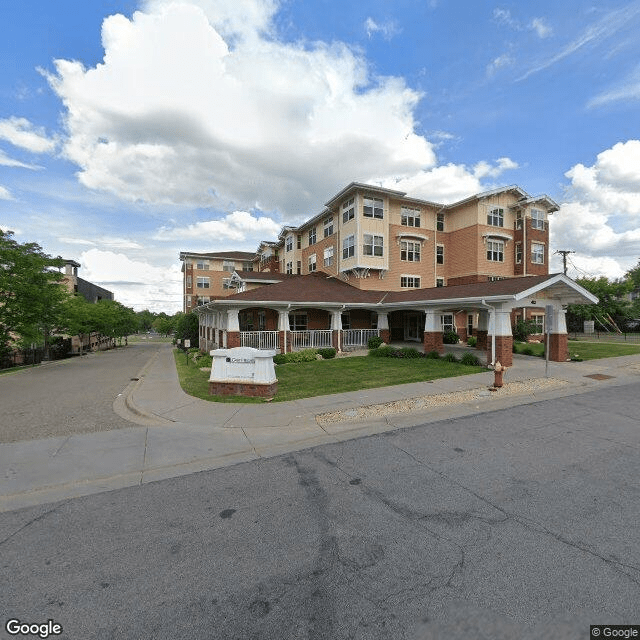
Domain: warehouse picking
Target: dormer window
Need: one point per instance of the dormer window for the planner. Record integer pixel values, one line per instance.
(537, 219)
(495, 217)
(373, 208)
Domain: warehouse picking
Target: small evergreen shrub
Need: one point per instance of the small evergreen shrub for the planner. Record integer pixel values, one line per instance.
(205, 361)
(374, 342)
(450, 357)
(433, 355)
(470, 360)
(383, 352)
(327, 353)
(409, 352)
(279, 358)
(472, 341)
(450, 337)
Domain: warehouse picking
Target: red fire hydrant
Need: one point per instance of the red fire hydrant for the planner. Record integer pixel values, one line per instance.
(498, 371)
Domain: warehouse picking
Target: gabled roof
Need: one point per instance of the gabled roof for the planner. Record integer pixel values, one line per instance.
(224, 255)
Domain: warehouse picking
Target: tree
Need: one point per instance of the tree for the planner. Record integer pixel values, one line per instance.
(613, 307)
(31, 292)
(187, 328)
(145, 320)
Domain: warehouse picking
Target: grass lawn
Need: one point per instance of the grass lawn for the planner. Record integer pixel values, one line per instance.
(586, 350)
(323, 377)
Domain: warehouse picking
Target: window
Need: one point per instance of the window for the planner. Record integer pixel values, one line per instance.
(202, 283)
(188, 301)
(328, 226)
(539, 322)
(189, 281)
(298, 267)
(262, 321)
(410, 217)
(312, 262)
(297, 321)
(226, 283)
(328, 257)
(312, 236)
(204, 266)
(289, 244)
(345, 320)
(519, 220)
(537, 219)
(447, 322)
(409, 251)
(495, 250)
(518, 252)
(247, 266)
(204, 299)
(348, 247)
(439, 282)
(373, 245)
(289, 268)
(439, 254)
(348, 210)
(228, 265)
(470, 324)
(440, 222)
(537, 253)
(410, 282)
(299, 241)
(372, 208)
(495, 217)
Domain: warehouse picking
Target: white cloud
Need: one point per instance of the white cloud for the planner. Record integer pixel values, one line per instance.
(628, 89)
(238, 226)
(104, 241)
(504, 60)
(387, 29)
(134, 283)
(21, 133)
(5, 194)
(542, 29)
(601, 218)
(260, 124)
(6, 161)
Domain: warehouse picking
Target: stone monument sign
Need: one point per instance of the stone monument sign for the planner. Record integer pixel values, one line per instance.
(243, 371)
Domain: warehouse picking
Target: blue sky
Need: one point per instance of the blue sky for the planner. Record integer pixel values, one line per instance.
(132, 130)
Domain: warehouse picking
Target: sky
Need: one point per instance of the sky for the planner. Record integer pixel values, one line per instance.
(131, 130)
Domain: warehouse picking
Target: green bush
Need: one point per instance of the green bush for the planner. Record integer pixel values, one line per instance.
(280, 358)
(205, 361)
(450, 337)
(527, 351)
(384, 352)
(470, 360)
(327, 353)
(374, 342)
(306, 355)
(409, 352)
(433, 355)
(472, 341)
(450, 357)
(523, 329)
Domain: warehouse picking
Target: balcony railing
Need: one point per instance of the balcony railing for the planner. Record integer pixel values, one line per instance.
(311, 339)
(260, 339)
(358, 337)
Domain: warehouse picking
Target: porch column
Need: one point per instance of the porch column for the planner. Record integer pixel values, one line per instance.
(558, 337)
(482, 330)
(283, 327)
(233, 329)
(432, 338)
(336, 328)
(383, 327)
(502, 337)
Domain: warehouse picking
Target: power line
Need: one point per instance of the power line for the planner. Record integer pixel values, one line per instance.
(564, 253)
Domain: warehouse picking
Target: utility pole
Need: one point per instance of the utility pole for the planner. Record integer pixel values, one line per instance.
(564, 253)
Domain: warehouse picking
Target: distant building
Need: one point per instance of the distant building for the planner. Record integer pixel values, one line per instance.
(91, 292)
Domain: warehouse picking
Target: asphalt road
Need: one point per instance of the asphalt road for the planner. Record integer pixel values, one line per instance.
(521, 523)
(69, 396)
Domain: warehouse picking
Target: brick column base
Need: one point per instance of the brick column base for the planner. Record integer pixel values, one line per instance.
(504, 350)
(432, 341)
(558, 347)
(462, 334)
(233, 339)
(281, 341)
(481, 337)
(243, 389)
(385, 334)
(334, 338)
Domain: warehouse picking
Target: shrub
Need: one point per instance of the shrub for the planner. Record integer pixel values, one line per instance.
(450, 337)
(470, 360)
(205, 361)
(433, 355)
(306, 355)
(374, 342)
(523, 329)
(327, 353)
(472, 341)
(383, 352)
(450, 357)
(409, 352)
(527, 351)
(279, 358)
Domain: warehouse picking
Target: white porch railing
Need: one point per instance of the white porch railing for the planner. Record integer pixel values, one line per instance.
(311, 339)
(260, 339)
(358, 337)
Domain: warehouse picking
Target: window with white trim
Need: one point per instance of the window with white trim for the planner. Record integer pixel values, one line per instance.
(188, 301)
(299, 267)
(203, 266)
(410, 282)
(299, 241)
(495, 250)
(312, 262)
(538, 320)
(202, 282)
(189, 281)
(447, 322)
(247, 266)
(518, 252)
(348, 247)
(204, 299)
(289, 244)
(228, 265)
(537, 219)
(348, 210)
(495, 217)
(409, 251)
(290, 268)
(328, 257)
(439, 282)
(328, 226)
(439, 254)
(518, 219)
(440, 222)
(372, 207)
(298, 322)
(373, 245)
(226, 283)
(409, 217)
(312, 236)
(537, 253)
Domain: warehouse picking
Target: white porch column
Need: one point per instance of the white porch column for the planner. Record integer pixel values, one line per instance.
(432, 321)
(283, 326)
(559, 320)
(336, 325)
(233, 323)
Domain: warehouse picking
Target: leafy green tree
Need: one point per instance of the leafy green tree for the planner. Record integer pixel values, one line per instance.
(187, 328)
(145, 320)
(165, 325)
(613, 306)
(31, 292)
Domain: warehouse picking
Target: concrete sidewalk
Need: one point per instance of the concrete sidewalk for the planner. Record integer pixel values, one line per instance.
(173, 434)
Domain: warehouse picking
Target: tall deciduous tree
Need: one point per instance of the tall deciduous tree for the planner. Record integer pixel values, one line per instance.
(31, 292)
